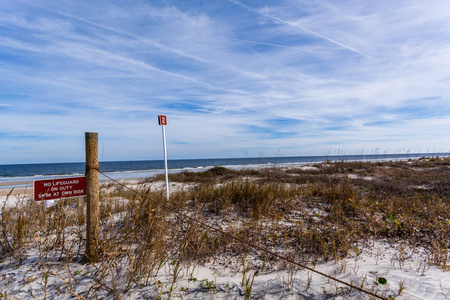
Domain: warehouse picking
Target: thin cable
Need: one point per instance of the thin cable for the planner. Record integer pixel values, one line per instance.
(250, 244)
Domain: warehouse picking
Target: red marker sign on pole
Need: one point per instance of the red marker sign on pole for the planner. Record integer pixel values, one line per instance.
(162, 120)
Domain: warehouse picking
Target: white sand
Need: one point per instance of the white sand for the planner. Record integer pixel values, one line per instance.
(218, 279)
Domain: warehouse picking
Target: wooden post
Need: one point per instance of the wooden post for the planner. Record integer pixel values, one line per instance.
(92, 195)
(81, 219)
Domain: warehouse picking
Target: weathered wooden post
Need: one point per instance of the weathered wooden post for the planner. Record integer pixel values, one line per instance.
(92, 196)
(81, 219)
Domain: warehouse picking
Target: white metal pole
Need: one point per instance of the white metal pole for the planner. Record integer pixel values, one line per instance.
(165, 161)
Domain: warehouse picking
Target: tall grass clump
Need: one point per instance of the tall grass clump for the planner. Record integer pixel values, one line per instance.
(245, 196)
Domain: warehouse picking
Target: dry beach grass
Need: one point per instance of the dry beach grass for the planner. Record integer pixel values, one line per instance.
(316, 214)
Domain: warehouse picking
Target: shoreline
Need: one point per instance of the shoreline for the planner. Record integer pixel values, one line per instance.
(22, 189)
(25, 182)
(133, 171)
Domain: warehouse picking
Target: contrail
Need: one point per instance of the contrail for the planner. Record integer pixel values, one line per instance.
(243, 5)
(423, 77)
(145, 65)
(269, 44)
(141, 63)
(145, 40)
(119, 31)
(301, 27)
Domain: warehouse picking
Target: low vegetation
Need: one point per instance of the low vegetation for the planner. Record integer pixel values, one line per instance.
(310, 214)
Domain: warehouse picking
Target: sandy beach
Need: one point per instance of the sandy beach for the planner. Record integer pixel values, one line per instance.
(25, 188)
(10, 195)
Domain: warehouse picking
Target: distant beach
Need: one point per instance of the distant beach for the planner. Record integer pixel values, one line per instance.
(20, 174)
(17, 179)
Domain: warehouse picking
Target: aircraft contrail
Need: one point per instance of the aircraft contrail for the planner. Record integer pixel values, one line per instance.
(119, 31)
(269, 44)
(236, 2)
(243, 5)
(142, 64)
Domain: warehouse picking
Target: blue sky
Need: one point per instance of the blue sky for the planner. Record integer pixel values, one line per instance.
(235, 78)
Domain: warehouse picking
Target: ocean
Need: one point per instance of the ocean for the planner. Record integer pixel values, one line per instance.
(149, 168)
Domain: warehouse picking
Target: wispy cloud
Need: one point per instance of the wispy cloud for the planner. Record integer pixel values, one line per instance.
(233, 77)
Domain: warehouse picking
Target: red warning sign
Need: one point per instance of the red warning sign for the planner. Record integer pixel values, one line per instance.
(59, 188)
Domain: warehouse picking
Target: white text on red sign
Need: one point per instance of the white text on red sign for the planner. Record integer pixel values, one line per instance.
(59, 188)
